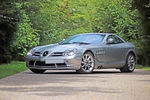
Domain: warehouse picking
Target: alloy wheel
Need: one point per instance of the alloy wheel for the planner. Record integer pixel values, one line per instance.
(87, 63)
(131, 62)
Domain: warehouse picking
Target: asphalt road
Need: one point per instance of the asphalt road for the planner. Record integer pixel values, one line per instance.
(68, 85)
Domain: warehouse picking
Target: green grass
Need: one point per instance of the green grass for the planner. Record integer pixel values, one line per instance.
(12, 68)
(143, 67)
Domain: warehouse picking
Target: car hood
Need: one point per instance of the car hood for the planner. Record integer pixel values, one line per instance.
(59, 48)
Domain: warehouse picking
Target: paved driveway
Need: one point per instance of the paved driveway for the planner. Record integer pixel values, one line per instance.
(68, 85)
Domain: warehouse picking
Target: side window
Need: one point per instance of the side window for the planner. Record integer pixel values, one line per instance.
(118, 40)
(115, 38)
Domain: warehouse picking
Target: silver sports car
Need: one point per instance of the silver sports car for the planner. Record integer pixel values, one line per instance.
(84, 53)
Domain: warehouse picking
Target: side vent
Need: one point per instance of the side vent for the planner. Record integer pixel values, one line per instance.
(99, 67)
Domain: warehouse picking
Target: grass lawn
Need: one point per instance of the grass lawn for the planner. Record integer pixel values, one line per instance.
(143, 67)
(12, 68)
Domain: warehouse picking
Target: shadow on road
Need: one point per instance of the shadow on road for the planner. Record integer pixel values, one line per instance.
(74, 72)
(99, 72)
(23, 83)
(55, 83)
(59, 90)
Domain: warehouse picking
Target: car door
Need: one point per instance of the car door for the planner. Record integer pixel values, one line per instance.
(114, 52)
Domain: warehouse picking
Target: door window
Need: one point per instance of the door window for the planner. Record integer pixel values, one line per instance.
(115, 38)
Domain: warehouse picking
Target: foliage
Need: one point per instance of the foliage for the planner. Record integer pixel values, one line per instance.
(8, 26)
(54, 20)
(60, 19)
(26, 36)
(143, 7)
(125, 20)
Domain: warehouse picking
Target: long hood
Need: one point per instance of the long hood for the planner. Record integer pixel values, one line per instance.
(58, 48)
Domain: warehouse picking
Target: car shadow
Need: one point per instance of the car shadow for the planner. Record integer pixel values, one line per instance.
(74, 72)
(113, 72)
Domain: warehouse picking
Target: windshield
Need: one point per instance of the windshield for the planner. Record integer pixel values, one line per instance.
(85, 39)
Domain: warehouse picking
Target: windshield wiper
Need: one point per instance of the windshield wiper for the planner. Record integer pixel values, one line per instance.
(64, 43)
(81, 42)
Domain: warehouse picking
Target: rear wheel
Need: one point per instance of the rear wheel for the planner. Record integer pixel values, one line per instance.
(130, 64)
(87, 64)
(38, 71)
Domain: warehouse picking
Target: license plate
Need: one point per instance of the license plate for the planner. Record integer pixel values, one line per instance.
(53, 61)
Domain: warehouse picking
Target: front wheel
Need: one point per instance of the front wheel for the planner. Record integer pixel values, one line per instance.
(87, 64)
(38, 71)
(130, 64)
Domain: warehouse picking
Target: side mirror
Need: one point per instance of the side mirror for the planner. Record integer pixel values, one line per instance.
(110, 41)
(63, 40)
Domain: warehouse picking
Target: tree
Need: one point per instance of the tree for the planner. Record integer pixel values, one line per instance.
(26, 37)
(143, 7)
(8, 25)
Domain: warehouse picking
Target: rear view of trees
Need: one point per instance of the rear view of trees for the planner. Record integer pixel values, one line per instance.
(48, 21)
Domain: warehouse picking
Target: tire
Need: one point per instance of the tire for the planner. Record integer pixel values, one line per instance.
(38, 71)
(87, 64)
(130, 63)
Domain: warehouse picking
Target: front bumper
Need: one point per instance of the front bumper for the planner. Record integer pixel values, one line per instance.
(60, 63)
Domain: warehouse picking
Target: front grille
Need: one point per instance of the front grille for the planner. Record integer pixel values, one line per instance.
(39, 63)
(57, 54)
(31, 62)
(36, 54)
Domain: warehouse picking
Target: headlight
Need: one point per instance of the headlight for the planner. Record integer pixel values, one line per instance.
(70, 52)
(31, 51)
